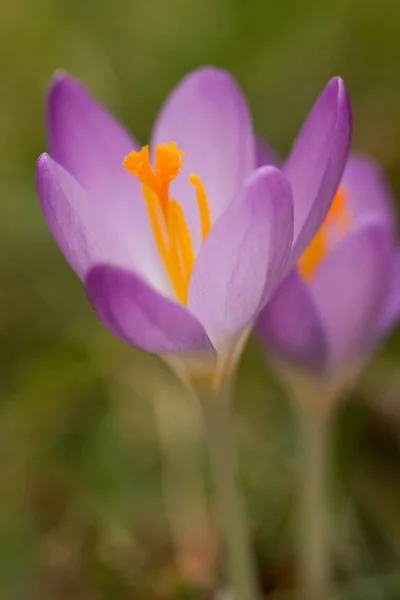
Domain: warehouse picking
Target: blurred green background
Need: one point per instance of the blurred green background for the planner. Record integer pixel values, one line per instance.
(100, 450)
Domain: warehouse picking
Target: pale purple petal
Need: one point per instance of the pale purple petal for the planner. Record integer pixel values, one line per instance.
(390, 310)
(243, 258)
(290, 326)
(137, 314)
(86, 140)
(316, 163)
(348, 289)
(366, 190)
(207, 117)
(75, 223)
(265, 155)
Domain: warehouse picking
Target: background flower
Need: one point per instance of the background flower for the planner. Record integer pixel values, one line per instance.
(345, 294)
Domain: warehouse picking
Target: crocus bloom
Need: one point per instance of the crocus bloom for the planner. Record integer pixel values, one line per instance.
(331, 311)
(180, 244)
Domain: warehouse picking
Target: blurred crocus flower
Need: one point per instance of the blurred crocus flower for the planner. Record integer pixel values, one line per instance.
(181, 244)
(344, 296)
(321, 326)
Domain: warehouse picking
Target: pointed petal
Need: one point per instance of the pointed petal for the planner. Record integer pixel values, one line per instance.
(81, 233)
(348, 289)
(207, 116)
(86, 140)
(316, 163)
(243, 257)
(290, 327)
(137, 314)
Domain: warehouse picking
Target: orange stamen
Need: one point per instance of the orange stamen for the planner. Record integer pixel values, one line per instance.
(202, 205)
(167, 220)
(167, 165)
(138, 164)
(153, 209)
(339, 217)
(182, 234)
(312, 255)
(168, 161)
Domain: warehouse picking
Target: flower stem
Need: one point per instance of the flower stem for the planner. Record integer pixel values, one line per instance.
(216, 408)
(183, 485)
(313, 555)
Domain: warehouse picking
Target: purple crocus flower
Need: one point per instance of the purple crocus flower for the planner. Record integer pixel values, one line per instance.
(344, 296)
(180, 246)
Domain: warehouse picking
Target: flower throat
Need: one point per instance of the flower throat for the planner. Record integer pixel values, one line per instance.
(167, 220)
(339, 218)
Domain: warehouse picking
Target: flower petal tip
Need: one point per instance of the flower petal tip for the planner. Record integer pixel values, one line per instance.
(61, 83)
(211, 79)
(337, 93)
(336, 83)
(336, 86)
(42, 160)
(339, 88)
(43, 166)
(209, 71)
(273, 176)
(58, 76)
(64, 90)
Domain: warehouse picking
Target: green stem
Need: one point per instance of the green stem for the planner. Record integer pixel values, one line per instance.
(313, 554)
(183, 483)
(216, 408)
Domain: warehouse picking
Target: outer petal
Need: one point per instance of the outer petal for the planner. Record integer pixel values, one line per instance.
(348, 289)
(290, 326)
(86, 140)
(91, 145)
(243, 257)
(316, 163)
(207, 117)
(134, 312)
(367, 190)
(390, 310)
(77, 227)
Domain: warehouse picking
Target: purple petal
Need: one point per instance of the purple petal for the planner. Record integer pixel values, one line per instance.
(390, 311)
(86, 140)
(207, 117)
(290, 326)
(367, 191)
(265, 155)
(77, 227)
(348, 289)
(137, 314)
(316, 163)
(91, 145)
(243, 257)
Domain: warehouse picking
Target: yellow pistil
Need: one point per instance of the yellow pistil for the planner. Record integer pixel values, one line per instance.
(167, 220)
(339, 217)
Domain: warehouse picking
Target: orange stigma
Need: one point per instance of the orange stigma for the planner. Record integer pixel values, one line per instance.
(337, 221)
(170, 231)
